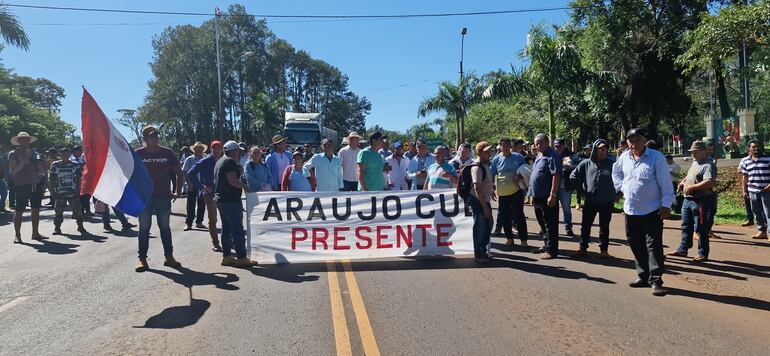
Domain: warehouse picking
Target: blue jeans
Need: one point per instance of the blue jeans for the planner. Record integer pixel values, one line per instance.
(697, 216)
(3, 193)
(232, 228)
(565, 199)
(349, 186)
(118, 214)
(161, 208)
(482, 228)
(760, 205)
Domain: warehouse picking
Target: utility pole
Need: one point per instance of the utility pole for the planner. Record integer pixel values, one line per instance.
(461, 119)
(220, 113)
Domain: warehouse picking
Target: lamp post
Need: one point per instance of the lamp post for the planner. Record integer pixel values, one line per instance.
(461, 119)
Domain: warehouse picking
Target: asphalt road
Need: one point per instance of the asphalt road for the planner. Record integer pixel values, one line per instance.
(79, 295)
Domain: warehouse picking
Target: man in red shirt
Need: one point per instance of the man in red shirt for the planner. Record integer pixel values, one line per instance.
(161, 162)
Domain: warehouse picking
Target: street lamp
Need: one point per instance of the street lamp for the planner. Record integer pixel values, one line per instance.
(461, 120)
(221, 122)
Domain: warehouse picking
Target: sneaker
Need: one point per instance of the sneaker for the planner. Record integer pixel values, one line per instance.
(201, 226)
(483, 259)
(229, 261)
(759, 236)
(39, 237)
(570, 233)
(748, 223)
(127, 227)
(639, 283)
(142, 266)
(56, 231)
(17, 240)
(171, 262)
(605, 254)
(245, 262)
(217, 247)
(657, 290)
(188, 228)
(579, 253)
(107, 227)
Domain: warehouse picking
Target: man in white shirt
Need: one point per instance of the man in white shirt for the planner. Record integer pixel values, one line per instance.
(348, 156)
(328, 169)
(399, 165)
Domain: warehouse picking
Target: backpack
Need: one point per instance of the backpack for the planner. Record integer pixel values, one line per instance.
(465, 183)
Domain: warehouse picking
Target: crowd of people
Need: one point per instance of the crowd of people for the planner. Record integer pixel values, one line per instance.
(545, 174)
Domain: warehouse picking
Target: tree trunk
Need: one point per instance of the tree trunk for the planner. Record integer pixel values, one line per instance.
(724, 105)
(551, 118)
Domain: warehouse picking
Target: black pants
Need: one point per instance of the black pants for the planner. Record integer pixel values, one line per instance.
(85, 203)
(589, 214)
(192, 213)
(645, 237)
(512, 207)
(548, 217)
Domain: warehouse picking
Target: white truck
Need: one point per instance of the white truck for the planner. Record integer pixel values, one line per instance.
(302, 128)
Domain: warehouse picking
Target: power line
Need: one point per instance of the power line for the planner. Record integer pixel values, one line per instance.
(401, 16)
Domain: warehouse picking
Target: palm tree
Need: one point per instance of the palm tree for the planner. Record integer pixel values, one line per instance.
(420, 130)
(554, 67)
(454, 100)
(11, 30)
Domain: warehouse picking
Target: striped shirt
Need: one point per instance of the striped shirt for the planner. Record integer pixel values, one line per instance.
(758, 171)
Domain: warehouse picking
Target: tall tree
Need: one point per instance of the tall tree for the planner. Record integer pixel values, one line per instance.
(11, 30)
(454, 99)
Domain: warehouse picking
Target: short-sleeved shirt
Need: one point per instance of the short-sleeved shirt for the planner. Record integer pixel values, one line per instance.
(478, 178)
(700, 172)
(436, 179)
(161, 165)
(505, 169)
(546, 165)
(29, 172)
(223, 191)
(373, 164)
(190, 161)
(758, 171)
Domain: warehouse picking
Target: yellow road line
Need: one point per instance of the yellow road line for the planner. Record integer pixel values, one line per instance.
(341, 334)
(364, 327)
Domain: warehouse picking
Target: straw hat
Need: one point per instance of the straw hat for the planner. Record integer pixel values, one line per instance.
(15, 139)
(354, 134)
(278, 139)
(199, 144)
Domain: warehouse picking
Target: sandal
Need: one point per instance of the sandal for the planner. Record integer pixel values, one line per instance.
(17, 240)
(547, 256)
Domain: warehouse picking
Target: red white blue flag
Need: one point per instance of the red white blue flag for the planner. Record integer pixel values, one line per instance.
(113, 173)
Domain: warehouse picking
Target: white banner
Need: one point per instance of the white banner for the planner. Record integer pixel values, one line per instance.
(290, 227)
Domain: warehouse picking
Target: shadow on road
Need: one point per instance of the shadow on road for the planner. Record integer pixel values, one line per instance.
(179, 316)
(285, 273)
(86, 237)
(52, 247)
(746, 302)
(190, 278)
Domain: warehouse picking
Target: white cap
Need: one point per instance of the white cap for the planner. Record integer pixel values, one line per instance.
(231, 145)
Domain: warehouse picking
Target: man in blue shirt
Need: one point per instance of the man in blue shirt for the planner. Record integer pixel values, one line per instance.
(278, 160)
(196, 206)
(544, 189)
(510, 197)
(641, 175)
(756, 185)
(328, 169)
(201, 177)
(418, 166)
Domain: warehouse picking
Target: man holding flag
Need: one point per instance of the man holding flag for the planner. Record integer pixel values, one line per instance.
(136, 183)
(161, 163)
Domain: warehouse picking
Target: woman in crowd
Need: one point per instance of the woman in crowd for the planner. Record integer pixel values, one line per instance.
(257, 173)
(294, 180)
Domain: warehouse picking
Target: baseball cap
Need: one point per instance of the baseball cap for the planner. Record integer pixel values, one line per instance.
(231, 145)
(215, 144)
(377, 136)
(558, 142)
(149, 130)
(637, 131)
(397, 144)
(325, 141)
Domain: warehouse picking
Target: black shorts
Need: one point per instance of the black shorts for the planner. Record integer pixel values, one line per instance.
(28, 194)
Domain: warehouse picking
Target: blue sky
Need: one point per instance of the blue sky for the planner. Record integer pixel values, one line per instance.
(394, 63)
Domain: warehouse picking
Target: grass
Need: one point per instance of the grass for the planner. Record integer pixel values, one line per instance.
(730, 209)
